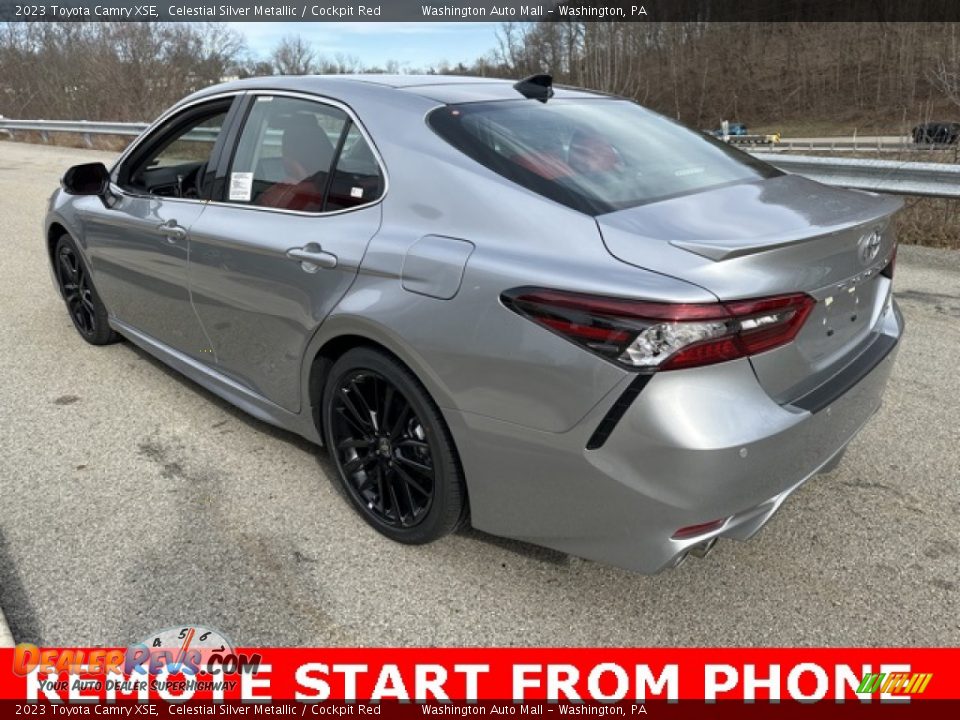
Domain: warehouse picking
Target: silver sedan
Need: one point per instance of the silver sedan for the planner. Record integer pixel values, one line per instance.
(547, 312)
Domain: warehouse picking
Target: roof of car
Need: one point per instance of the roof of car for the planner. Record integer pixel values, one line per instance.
(441, 88)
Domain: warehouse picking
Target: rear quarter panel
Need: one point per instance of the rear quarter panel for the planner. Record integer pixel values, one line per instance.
(474, 354)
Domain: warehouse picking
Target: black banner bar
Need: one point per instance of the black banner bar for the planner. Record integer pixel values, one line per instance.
(482, 11)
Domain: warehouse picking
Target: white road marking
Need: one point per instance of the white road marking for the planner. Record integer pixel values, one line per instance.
(6, 637)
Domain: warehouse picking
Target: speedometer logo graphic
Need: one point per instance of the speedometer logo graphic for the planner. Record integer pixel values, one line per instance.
(189, 637)
(189, 649)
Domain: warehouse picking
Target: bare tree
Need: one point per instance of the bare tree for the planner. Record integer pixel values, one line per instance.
(251, 67)
(216, 48)
(293, 56)
(110, 71)
(346, 64)
(823, 73)
(946, 76)
(880, 76)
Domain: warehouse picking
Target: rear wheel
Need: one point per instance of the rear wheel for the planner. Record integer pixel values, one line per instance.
(394, 455)
(86, 310)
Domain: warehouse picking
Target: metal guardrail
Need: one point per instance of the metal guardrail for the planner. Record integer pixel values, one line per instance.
(852, 143)
(87, 129)
(74, 126)
(900, 150)
(846, 145)
(751, 139)
(131, 130)
(902, 178)
(887, 176)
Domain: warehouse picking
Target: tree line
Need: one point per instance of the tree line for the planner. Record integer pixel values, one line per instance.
(132, 71)
(108, 71)
(887, 75)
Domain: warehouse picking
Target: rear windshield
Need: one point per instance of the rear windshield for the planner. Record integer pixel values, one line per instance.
(596, 156)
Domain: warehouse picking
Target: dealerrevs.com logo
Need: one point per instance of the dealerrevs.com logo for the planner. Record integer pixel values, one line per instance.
(183, 659)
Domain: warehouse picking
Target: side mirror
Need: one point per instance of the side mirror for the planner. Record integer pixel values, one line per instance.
(86, 179)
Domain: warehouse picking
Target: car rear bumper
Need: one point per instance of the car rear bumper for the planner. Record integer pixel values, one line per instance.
(694, 446)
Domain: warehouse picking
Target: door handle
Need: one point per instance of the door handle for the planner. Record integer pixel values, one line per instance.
(171, 231)
(312, 257)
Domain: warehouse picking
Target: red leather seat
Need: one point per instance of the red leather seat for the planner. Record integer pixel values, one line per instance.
(546, 166)
(304, 196)
(591, 153)
(307, 154)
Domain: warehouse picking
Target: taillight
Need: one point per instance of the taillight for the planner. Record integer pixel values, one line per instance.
(664, 336)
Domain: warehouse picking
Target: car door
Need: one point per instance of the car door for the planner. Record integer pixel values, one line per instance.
(138, 241)
(275, 252)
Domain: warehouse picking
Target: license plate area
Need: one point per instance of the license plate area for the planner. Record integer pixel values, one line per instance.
(846, 313)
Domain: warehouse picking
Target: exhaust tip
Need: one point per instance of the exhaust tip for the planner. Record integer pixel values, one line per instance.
(701, 550)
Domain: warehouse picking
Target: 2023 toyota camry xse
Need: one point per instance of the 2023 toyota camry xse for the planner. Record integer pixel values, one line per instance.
(555, 313)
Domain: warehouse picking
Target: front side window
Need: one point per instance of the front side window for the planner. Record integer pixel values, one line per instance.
(296, 154)
(174, 162)
(596, 155)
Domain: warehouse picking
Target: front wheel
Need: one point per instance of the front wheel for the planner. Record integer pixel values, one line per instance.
(394, 454)
(86, 309)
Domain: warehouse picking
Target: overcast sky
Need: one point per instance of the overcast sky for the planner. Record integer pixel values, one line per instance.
(411, 44)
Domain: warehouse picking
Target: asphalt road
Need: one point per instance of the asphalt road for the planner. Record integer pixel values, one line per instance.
(132, 500)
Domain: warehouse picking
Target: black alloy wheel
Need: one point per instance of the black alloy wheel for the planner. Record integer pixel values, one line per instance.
(87, 312)
(393, 453)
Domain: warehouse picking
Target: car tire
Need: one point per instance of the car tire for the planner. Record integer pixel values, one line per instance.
(394, 455)
(84, 306)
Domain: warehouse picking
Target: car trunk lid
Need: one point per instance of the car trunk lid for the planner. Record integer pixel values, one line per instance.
(781, 235)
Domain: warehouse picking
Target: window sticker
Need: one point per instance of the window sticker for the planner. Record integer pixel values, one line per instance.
(356, 192)
(241, 186)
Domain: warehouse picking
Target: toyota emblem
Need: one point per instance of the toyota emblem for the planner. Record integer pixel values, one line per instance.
(869, 247)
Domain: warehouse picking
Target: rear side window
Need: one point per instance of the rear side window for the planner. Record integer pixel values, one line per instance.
(296, 154)
(356, 179)
(597, 155)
